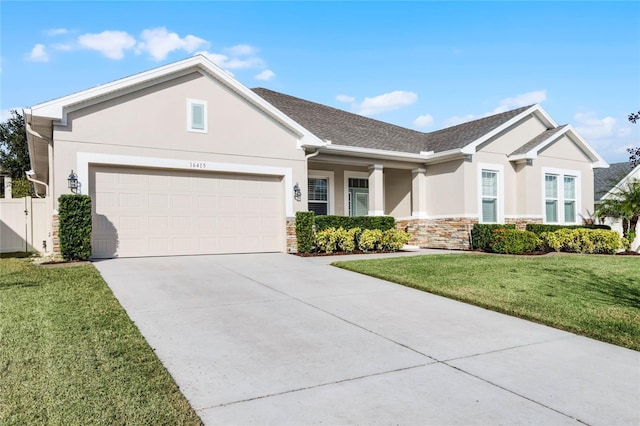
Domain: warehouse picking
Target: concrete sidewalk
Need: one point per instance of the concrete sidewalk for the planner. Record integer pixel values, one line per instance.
(279, 339)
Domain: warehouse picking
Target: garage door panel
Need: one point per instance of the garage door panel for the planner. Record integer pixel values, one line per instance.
(144, 212)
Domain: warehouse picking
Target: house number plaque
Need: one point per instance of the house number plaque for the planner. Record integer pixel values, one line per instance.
(197, 164)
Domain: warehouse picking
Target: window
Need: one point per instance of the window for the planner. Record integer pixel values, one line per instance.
(551, 197)
(196, 116)
(489, 196)
(561, 189)
(569, 199)
(318, 195)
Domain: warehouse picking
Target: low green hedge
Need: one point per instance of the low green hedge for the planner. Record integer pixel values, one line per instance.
(539, 228)
(481, 234)
(382, 223)
(513, 241)
(582, 240)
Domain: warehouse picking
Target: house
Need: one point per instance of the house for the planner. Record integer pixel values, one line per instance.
(606, 184)
(184, 159)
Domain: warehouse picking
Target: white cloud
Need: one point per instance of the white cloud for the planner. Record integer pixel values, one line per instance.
(111, 44)
(159, 42)
(265, 75)
(5, 114)
(459, 119)
(232, 60)
(518, 101)
(241, 50)
(591, 127)
(39, 53)
(345, 98)
(423, 121)
(504, 105)
(56, 31)
(386, 102)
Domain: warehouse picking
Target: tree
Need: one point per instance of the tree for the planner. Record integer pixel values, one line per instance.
(623, 204)
(14, 154)
(634, 153)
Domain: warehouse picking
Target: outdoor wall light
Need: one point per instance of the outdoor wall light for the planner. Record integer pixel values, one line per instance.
(296, 192)
(73, 182)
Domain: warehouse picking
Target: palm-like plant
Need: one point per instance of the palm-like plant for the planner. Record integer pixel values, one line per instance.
(623, 204)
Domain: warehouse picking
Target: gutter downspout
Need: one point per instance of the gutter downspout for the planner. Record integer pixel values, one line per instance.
(30, 179)
(33, 133)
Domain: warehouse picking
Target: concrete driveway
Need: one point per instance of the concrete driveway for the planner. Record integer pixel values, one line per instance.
(278, 339)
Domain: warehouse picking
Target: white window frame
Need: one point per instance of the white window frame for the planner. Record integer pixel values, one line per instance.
(190, 104)
(354, 175)
(499, 168)
(329, 176)
(561, 174)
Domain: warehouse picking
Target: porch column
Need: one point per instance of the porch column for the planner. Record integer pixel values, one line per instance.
(376, 190)
(418, 197)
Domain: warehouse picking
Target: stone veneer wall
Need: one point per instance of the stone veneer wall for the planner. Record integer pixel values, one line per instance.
(521, 223)
(445, 233)
(55, 224)
(292, 242)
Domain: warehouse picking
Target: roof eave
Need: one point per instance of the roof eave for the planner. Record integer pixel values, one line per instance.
(622, 181)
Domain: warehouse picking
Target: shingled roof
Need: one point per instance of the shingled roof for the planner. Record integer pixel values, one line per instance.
(345, 128)
(605, 179)
(537, 140)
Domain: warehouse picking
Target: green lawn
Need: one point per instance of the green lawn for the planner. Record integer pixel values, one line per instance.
(591, 295)
(69, 355)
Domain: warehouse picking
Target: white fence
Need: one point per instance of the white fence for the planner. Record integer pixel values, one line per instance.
(25, 225)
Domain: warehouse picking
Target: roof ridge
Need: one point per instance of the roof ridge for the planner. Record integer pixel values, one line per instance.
(339, 110)
(477, 120)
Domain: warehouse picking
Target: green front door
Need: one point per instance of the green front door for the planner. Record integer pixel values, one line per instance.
(358, 197)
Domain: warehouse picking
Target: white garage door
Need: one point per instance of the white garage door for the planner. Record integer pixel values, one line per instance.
(148, 212)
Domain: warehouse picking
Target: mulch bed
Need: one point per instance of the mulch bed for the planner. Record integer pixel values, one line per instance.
(62, 263)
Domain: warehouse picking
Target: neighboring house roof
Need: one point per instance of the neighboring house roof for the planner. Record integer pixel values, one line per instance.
(604, 180)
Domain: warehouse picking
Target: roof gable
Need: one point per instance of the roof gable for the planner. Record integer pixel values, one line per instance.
(58, 109)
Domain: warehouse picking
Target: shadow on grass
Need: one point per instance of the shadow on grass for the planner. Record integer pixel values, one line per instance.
(16, 280)
(16, 255)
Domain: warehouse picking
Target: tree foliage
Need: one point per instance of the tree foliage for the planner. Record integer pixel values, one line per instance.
(14, 153)
(634, 153)
(624, 205)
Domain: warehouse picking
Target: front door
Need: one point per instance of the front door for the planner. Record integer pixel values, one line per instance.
(358, 197)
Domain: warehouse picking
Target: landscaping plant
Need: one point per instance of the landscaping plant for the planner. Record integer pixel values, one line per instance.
(74, 212)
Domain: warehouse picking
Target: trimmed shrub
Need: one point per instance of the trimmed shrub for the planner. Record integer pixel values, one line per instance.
(539, 228)
(346, 239)
(382, 223)
(481, 234)
(513, 241)
(582, 240)
(74, 212)
(394, 239)
(370, 239)
(304, 231)
(327, 240)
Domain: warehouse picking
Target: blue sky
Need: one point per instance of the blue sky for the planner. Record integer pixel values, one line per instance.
(422, 65)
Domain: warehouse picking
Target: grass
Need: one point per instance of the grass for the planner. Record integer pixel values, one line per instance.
(592, 295)
(69, 355)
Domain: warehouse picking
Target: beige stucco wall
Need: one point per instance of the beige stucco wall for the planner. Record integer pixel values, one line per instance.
(446, 187)
(397, 192)
(512, 139)
(152, 123)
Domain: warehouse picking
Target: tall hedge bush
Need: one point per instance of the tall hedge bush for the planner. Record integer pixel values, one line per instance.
(304, 231)
(513, 241)
(481, 234)
(382, 223)
(74, 213)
